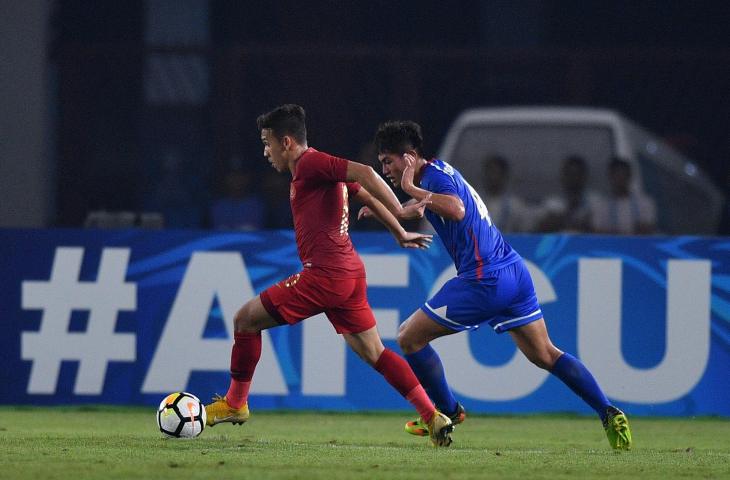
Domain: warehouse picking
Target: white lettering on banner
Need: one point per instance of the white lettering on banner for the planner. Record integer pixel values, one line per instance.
(386, 270)
(95, 347)
(324, 352)
(182, 348)
(223, 275)
(323, 358)
(513, 380)
(687, 331)
(388, 322)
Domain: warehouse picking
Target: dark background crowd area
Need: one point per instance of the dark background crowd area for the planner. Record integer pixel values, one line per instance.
(155, 101)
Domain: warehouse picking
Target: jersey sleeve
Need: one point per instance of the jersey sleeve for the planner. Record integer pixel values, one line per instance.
(322, 166)
(353, 188)
(436, 181)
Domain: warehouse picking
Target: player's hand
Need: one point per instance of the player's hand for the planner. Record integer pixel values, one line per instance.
(414, 209)
(415, 240)
(406, 181)
(364, 212)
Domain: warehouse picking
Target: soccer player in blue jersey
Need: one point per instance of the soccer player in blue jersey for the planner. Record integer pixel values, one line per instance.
(492, 284)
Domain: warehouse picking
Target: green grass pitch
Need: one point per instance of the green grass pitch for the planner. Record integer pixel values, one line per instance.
(123, 443)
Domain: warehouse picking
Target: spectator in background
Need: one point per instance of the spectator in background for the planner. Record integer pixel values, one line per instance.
(240, 208)
(625, 211)
(508, 211)
(574, 209)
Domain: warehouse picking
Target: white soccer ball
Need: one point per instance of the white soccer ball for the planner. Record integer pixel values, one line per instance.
(181, 415)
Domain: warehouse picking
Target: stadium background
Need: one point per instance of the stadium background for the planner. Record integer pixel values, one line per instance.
(103, 99)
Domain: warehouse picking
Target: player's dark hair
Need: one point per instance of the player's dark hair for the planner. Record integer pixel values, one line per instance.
(284, 120)
(399, 136)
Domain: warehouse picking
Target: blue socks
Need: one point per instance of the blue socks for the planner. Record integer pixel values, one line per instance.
(576, 376)
(427, 366)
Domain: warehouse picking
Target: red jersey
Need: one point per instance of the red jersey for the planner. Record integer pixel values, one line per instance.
(319, 202)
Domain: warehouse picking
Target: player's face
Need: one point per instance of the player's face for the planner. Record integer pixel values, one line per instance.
(392, 165)
(274, 151)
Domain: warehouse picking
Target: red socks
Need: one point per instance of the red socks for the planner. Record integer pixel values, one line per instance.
(237, 395)
(245, 355)
(399, 374)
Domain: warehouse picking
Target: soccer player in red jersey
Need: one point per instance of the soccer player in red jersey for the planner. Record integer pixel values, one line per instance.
(333, 276)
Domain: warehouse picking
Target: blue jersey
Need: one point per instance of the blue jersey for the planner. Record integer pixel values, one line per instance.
(474, 243)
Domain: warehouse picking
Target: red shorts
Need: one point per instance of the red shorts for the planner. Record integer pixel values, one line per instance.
(343, 300)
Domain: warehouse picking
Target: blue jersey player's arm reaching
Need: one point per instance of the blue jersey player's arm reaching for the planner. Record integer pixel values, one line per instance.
(492, 284)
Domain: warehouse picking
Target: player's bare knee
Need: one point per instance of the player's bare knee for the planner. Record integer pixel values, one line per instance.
(541, 362)
(406, 343)
(367, 354)
(370, 357)
(543, 359)
(243, 322)
(401, 340)
(403, 326)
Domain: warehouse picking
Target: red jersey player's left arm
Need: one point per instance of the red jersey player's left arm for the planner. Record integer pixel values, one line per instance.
(405, 239)
(375, 185)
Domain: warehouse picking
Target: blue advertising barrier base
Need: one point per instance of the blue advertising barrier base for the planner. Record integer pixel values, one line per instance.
(124, 317)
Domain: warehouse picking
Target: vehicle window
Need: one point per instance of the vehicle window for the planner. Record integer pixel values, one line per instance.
(680, 200)
(535, 153)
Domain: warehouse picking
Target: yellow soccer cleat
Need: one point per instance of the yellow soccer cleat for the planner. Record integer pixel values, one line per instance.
(418, 426)
(617, 429)
(220, 412)
(439, 430)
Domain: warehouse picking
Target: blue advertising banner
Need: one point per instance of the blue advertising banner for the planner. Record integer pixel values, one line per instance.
(124, 317)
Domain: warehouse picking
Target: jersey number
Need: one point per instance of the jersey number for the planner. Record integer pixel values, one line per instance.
(345, 219)
(483, 212)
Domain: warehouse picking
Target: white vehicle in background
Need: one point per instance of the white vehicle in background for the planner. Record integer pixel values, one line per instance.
(535, 140)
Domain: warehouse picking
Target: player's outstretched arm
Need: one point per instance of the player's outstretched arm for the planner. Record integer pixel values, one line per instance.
(376, 186)
(449, 207)
(365, 211)
(405, 239)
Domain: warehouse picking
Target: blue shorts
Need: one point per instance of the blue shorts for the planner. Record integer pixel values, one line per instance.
(505, 299)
